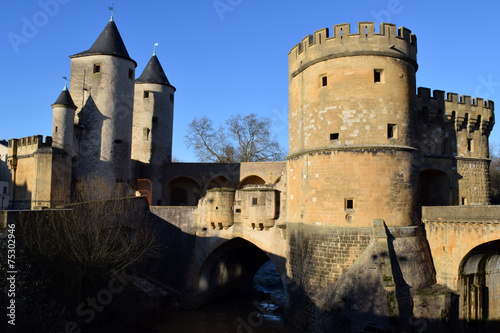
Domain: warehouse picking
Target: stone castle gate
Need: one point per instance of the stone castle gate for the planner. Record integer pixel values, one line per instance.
(464, 243)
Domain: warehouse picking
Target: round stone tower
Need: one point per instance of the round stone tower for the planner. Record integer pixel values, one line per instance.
(351, 121)
(152, 125)
(353, 172)
(63, 122)
(102, 85)
(59, 156)
(153, 115)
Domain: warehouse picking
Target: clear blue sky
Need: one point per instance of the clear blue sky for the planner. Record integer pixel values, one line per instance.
(230, 56)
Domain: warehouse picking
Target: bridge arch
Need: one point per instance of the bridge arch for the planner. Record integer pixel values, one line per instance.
(219, 181)
(252, 179)
(230, 266)
(182, 191)
(479, 286)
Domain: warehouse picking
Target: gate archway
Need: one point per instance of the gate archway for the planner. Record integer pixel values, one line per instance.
(230, 267)
(479, 287)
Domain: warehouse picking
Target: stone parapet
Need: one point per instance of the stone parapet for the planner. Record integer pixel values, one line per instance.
(391, 42)
(464, 111)
(482, 214)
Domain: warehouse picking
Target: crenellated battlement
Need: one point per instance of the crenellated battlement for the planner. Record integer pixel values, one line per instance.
(390, 41)
(463, 110)
(27, 145)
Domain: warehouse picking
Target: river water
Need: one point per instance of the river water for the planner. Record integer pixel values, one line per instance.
(255, 309)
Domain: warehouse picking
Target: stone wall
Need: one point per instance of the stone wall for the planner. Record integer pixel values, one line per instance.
(176, 233)
(24, 162)
(474, 182)
(317, 257)
(388, 264)
(351, 187)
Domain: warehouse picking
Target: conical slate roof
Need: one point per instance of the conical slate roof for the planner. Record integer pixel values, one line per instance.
(109, 42)
(153, 73)
(65, 99)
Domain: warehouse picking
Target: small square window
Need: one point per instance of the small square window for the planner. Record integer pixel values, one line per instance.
(172, 98)
(348, 204)
(254, 201)
(464, 201)
(155, 119)
(334, 136)
(377, 75)
(392, 131)
(324, 81)
(131, 74)
(97, 68)
(146, 93)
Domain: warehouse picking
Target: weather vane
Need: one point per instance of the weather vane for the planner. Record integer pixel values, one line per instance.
(112, 9)
(66, 84)
(154, 48)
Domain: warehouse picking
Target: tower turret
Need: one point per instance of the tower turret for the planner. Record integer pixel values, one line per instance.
(59, 156)
(153, 115)
(153, 121)
(102, 82)
(63, 121)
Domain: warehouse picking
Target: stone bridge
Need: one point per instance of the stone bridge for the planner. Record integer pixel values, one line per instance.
(464, 242)
(219, 260)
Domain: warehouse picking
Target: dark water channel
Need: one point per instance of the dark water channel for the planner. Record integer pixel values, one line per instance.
(256, 309)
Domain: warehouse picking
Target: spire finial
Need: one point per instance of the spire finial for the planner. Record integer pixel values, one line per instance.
(112, 9)
(154, 48)
(66, 82)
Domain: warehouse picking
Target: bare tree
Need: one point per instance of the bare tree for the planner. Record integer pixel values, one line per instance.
(91, 239)
(244, 139)
(100, 230)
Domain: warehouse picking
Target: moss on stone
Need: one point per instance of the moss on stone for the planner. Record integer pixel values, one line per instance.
(221, 189)
(392, 303)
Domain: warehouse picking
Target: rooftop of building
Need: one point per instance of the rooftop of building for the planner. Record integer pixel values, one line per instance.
(109, 42)
(65, 99)
(154, 73)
